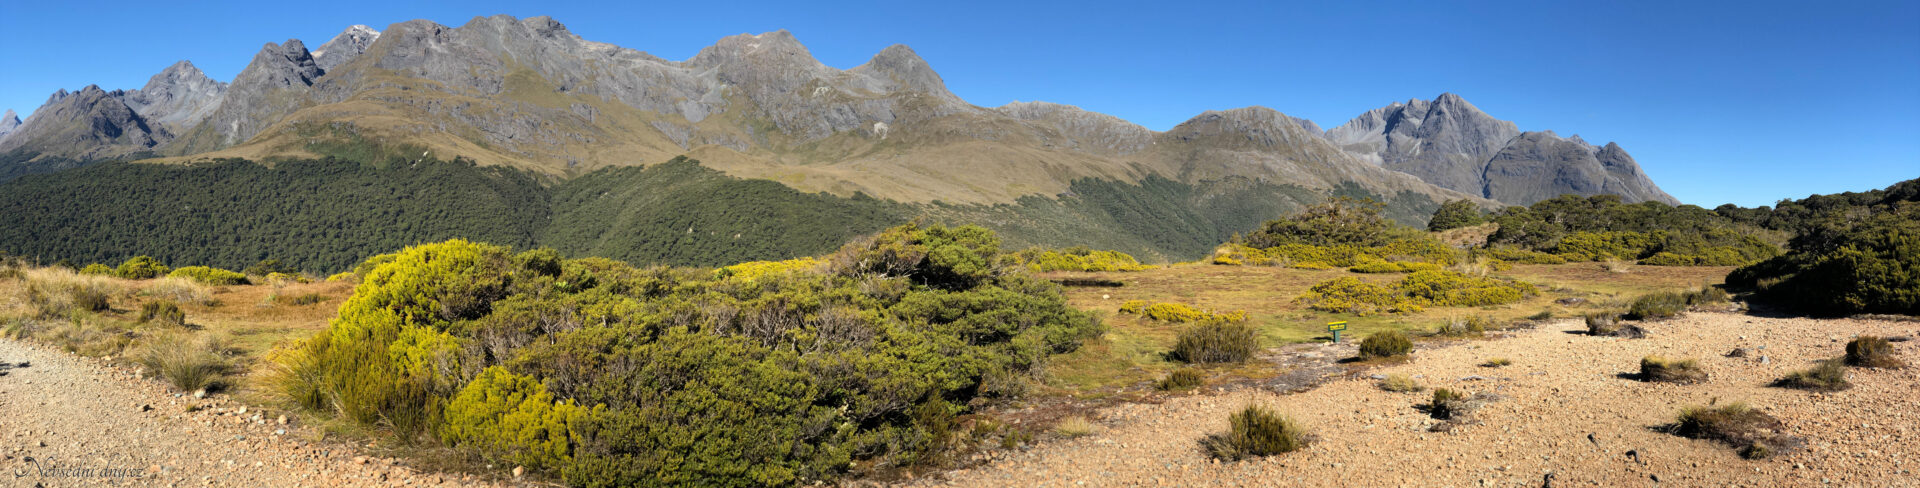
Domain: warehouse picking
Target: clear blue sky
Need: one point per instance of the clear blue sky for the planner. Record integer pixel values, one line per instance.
(1741, 102)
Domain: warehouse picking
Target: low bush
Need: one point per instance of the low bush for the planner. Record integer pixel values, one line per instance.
(207, 275)
(1828, 375)
(1497, 363)
(1078, 259)
(1400, 383)
(1683, 371)
(1524, 256)
(59, 293)
(189, 362)
(1660, 305)
(1216, 342)
(346, 276)
(1392, 267)
(1347, 294)
(1178, 312)
(1845, 265)
(1448, 404)
(1256, 431)
(1413, 293)
(1754, 433)
(162, 312)
(303, 299)
(1181, 379)
(1602, 323)
(1707, 295)
(97, 269)
(140, 268)
(1385, 344)
(1871, 352)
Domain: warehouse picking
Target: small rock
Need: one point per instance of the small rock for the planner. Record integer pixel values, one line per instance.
(200, 393)
(1765, 360)
(519, 470)
(280, 432)
(283, 420)
(359, 460)
(243, 410)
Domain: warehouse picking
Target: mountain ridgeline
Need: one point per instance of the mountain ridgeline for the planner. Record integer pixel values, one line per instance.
(327, 215)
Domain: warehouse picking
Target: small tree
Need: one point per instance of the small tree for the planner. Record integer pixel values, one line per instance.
(1456, 214)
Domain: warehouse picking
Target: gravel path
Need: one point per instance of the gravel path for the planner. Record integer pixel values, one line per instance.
(73, 421)
(1567, 415)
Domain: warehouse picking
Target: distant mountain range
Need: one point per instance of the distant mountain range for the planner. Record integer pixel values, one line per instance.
(528, 94)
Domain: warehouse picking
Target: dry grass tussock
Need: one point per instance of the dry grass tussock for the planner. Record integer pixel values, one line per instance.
(189, 362)
(59, 292)
(1754, 433)
(179, 290)
(1075, 426)
(1683, 371)
(1256, 431)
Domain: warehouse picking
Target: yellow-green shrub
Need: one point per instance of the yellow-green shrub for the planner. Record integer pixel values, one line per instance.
(1392, 267)
(97, 269)
(140, 268)
(511, 417)
(1178, 312)
(342, 276)
(1347, 294)
(1526, 256)
(1079, 259)
(209, 275)
(1451, 289)
(752, 271)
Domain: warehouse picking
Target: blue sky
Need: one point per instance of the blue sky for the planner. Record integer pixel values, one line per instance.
(1746, 102)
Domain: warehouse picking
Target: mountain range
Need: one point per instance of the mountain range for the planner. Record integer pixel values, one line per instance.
(529, 94)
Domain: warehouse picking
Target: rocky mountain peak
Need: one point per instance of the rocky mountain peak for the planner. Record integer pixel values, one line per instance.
(349, 44)
(178, 96)
(777, 50)
(8, 122)
(84, 124)
(900, 64)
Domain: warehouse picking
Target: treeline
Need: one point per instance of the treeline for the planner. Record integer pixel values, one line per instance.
(769, 374)
(1850, 253)
(1601, 227)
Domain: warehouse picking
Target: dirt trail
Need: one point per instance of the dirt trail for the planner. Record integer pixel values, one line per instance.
(1567, 414)
(73, 421)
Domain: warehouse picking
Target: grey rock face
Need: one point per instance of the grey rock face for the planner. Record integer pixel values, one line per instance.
(344, 47)
(86, 124)
(8, 123)
(1540, 165)
(178, 97)
(1450, 143)
(272, 85)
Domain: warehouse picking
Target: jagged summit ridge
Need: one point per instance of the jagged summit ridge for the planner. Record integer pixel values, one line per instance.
(344, 47)
(1451, 143)
(8, 122)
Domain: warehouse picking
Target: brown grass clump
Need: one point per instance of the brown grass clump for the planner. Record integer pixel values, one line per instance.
(162, 312)
(1617, 265)
(1872, 352)
(1074, 426)
(59, 292)
(1256, 431)
(179, 290)
(1400, 383)
(1828, 375)
(1475, 326)
(1683, 371)
(1756, 434)
(189, 362)
(1497, 362)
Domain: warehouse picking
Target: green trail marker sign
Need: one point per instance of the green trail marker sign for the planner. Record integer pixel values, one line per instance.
(1335, 328)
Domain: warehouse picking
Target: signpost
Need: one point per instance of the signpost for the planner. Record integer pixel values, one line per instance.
(1335, 328)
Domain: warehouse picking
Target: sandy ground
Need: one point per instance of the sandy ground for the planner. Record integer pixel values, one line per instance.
(73, 421)
(1567, 416)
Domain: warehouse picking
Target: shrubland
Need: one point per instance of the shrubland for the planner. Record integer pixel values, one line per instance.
(604, 374)
(1431, 288)
(1079, 258)
(1602, 228)
(1339, 233)
(1851, 255)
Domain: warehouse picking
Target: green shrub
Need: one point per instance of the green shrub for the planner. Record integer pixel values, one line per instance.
(1078, 259)
(1181, 379)
(1400, 383)
(1385, 344)
(1754, 433)
(162, 311)
(1256, 431)
(1456, 214)
(1216, 342)
(189, 362)
(511, 418)
(1659, 305)
(1392, 267)
(140, 268)
(1497, 363)
(1347, 294)
(1871, 352)
(1449, 405)
(209, 276)
(1602, 323)
(1707, 295)
(1452, 289)
(1178, 312)
(97, 269)
(1526, 256)
(1828, 375)
(1843, 266)
(1683, 371)
(268, 267)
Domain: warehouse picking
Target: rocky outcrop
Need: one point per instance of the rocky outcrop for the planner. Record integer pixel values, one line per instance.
(85, 124)
(344, 47)
(8, 123)
(271, 86)
(178, 97)
(1451, 143)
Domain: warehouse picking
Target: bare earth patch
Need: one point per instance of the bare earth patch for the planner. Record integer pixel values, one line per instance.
(1569, 408)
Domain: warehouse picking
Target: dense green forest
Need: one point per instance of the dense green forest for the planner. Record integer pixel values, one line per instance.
(323, 216)
(317, 215)
(682, 213)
